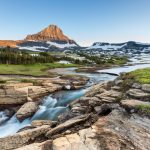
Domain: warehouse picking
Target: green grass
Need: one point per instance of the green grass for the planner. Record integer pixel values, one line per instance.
(32, 69)
(144, 108)
(142, 75)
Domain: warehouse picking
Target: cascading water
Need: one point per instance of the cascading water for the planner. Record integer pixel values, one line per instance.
(55, 104)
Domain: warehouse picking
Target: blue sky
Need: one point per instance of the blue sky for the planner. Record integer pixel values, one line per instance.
(86, 21)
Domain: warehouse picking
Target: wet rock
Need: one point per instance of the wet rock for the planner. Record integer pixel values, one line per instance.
(22, 138)
(47, 145)
(137, 94)
(27, 110)
(146, 87)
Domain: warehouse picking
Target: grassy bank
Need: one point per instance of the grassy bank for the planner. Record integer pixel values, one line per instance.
(142, 75)
(32, 69)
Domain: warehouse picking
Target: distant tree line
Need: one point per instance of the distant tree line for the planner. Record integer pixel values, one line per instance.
(13, 56)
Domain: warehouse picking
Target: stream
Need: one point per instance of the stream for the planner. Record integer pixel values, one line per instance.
(55, 104)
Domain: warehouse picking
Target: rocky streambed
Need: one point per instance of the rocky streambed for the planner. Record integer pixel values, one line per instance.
(104, 118)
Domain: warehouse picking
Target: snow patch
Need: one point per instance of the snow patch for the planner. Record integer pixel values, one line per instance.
(61, 45)
(106, 46)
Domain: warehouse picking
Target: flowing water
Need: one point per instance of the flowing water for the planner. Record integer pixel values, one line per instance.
(55, 104)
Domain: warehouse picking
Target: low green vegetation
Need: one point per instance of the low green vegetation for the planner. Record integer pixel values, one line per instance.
(3, 81)
(105, 59)
(32, 69)
(142, 75)
(144, 108)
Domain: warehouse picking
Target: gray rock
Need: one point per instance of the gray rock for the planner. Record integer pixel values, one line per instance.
(146, 87)
(118, 82)
(137, 94)
(132, 104)
(136, 86)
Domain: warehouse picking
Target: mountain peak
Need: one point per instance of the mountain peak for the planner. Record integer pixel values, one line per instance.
(52, 33)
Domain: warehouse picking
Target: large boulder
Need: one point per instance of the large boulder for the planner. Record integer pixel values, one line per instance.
(27, 110)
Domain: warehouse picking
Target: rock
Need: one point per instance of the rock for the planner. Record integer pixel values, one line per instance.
(136, 86)
(69, 142)
(66, 125)
(116, 88)
(81, 109)
(51, 33)
(96, 89)
(94, 101)
(38, 123)
(27, 110)
(47, 145)
(103, 110)
(22, 138)
(116, 131)
(29, 99)
(146, 87)
(137, 94)
(133, 104)
(118, 82)
(10, 96)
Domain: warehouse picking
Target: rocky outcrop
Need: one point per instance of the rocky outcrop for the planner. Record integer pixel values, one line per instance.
(22, 138)
(51, 33)
(105, 118)
(9, 96)
(26, 111)
(113, 132)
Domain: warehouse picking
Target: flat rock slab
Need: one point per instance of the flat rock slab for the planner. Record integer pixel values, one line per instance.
(27, 110)
(47, 145)
(137, 94)
(133, 103)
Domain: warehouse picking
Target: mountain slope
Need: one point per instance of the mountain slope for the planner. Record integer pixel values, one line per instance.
(120, 46)
(51, 38)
